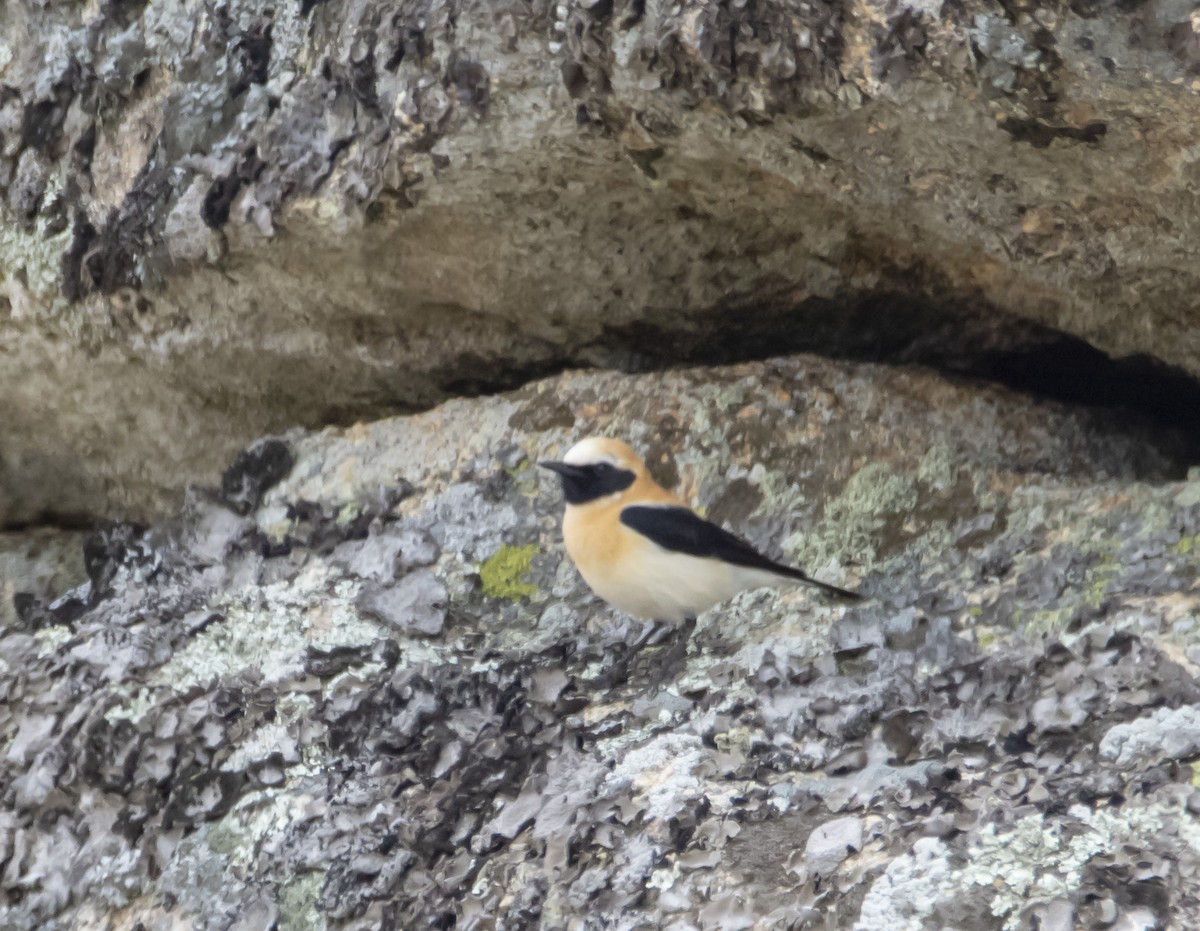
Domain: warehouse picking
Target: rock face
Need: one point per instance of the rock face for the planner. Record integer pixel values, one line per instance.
(235, 216)
(372, 695)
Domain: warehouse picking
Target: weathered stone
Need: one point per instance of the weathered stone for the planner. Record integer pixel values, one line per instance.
(236, 216)
(211, 731)
(417, 603)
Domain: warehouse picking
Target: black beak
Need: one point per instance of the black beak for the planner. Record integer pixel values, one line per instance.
(584, 483)
(563, 469)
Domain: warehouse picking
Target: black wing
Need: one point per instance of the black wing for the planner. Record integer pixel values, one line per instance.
(683, 531)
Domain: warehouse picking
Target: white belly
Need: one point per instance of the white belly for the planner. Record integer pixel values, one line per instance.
(666, 586)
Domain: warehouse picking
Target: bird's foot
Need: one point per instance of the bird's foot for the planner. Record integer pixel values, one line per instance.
(621, 659)
(664, 662)
(673, 660)
(616, 672)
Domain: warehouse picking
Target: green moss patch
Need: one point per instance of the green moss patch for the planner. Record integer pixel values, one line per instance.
(503, 574)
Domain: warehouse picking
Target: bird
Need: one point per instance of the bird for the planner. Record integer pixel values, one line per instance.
(644, 551)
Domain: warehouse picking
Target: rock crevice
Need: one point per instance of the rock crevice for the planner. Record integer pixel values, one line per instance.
(250, 216)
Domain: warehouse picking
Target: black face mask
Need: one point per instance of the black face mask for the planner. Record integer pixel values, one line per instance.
(584, 483)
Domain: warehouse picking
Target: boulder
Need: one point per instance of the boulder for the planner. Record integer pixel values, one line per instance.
(225, 218)
(222, 728)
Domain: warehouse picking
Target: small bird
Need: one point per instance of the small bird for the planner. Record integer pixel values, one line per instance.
(644, 551)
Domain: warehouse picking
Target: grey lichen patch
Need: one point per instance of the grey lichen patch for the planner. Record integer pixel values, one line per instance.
(865, 522)
(133, 706)
(31, 259)
(938, 467)
(1170, 732)
(269, 630)
(873, 491)
(349, 468)
(299, 904)
(1035, 861)
(1009, 869)
(908, 891)
(659, 774)
(51, 638)
(202, 875)
(278, 740)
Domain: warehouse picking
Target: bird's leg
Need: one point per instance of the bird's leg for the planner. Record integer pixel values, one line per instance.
(621, 667)
(670, 662)
(654, 633)
(674, 657)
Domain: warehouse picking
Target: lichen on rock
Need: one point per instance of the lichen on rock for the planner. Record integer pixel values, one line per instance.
(504, 573)
(330, 711)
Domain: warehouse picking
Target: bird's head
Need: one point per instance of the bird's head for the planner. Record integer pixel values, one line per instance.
(597, 468)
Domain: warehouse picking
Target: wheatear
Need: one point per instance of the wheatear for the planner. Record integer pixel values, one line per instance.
(644, 551)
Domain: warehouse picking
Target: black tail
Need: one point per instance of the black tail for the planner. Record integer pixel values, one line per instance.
(824, 586)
